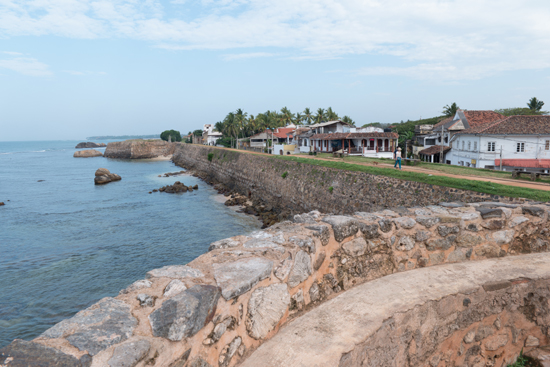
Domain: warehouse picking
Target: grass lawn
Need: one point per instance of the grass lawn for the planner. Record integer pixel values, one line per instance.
(458, 183)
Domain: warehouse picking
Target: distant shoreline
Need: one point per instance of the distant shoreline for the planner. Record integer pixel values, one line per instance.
(125, 137)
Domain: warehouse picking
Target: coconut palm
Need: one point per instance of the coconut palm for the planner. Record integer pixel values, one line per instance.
(308, 117)
(298, 118)
(450, 111)
(535, 105)
(348, 120)
(286, 116)
(320, 116)
(331, 115)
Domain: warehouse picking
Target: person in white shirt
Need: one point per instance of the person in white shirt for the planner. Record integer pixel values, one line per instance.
(397, 158)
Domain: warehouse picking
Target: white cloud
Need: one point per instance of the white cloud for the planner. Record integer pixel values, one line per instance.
(243, 56)
(79, 73)
(12, 53)
(26, 66)
(444, 38)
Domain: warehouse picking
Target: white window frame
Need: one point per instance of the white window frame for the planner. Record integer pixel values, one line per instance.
(520, 148)
(491, 146)
(475, 146)
(469, 146)
(547, 145)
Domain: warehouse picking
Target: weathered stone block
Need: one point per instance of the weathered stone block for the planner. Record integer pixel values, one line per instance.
(517, 221)
(186, 313)
(489, 251)
(301, 270)
(175, 271)
(447, 230)
(145, 300)
(283, 269)
(427, 222)
(405, 222)
(225, 243)
(457, 255)
(496, 341)
(468, 240)
(532, 341)
(101, 325)
(174, 287)
(405, 243)
(487, 213)
(385, 225)
(266, 307)
(321, 232)
(319, 261)
(369, 231)
(437, 258)
(356, 247)
(503, 237)
(129, 353)
(238, 277)
(229, 351)
(422, 236)
(493, 224)
(533, 210)
(21, 353)
(342, 226)
(441, 243)
(306, 243)
(314, 293)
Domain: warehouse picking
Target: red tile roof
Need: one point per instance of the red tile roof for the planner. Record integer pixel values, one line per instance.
(436, 149)
(443, 122)
(340, 136)
(514, 125)
(477, 118)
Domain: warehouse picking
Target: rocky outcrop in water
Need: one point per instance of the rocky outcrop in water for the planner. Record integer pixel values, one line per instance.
(177, 187)
(90, 144)
(139, 149)
(89, 153)
(103, 176)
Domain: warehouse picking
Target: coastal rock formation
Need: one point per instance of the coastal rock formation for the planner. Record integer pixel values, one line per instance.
(21, 353)
(177, 187)
(224, 305)
(139, 149)
(90, 144)
(89, 153)
(103, 176)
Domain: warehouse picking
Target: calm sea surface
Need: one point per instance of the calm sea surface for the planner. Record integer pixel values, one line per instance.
(65, 243)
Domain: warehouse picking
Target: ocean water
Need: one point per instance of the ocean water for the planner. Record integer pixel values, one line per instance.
(66, 243)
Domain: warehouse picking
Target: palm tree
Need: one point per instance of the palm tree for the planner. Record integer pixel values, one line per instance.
(286, 116)
(348, 120)
(331, 115)
(308, 117)
(231, 125)
(535, 105)
(320, 116)
(299, 118)
(240, 121)
(450, 111)
(251, 126)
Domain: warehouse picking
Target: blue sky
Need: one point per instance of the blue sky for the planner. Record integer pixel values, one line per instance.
(76, 68)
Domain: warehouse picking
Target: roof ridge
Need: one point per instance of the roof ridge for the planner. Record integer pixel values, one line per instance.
(490, 125)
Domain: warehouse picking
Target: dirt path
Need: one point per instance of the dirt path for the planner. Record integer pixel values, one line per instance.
(502, 181)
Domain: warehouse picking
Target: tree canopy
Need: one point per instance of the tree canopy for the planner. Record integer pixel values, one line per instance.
(450, 111)
(174, 134)
(519, 111)
(534, 104)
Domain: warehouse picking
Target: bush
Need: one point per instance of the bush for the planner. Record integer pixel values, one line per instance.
(210, 156)
(174, 134)
(330, 189)
(284, 175)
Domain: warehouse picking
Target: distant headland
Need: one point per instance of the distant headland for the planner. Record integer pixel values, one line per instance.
(112, 137)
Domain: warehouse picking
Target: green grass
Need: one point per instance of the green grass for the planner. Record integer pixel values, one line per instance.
(457, 183)
(524, 361)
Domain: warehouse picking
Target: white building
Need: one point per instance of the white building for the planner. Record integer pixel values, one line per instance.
(523, 141)
(209, 135)
(443, 132)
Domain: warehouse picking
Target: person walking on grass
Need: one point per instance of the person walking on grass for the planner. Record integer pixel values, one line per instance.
(397, 158)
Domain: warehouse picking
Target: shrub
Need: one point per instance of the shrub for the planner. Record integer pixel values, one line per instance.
(284, 174)
(174, 134)
(330, 189)
(210, 156)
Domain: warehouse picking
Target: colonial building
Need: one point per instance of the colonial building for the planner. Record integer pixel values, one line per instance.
(520, 141)
(209, 135)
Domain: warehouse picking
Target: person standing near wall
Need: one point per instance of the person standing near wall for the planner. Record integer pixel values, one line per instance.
(397, 158)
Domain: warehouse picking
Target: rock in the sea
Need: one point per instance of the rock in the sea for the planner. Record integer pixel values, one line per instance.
(89, 144)
(87, 153)
(129, 353)
(103, 176)
(177, 187)
(183, 315)
(301, 270)
(175, 271)
(102, 172)
(174, 287)
(96, 328)
(238, 277)
(21, 353)
(266, 307)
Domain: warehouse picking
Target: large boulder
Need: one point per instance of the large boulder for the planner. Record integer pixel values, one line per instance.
(103, 176)
(342, 226)
(183, 315)
(21, 353)
(89, 144)
(96, 328)
(89, 153)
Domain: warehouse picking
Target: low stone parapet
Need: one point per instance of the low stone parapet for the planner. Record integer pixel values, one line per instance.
(223, 305)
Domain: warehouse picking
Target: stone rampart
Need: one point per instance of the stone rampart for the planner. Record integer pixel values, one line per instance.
(223, 305)
(302, 187)
(139, 149)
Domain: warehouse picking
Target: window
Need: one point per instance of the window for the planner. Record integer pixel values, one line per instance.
(462, 144)
(491, 146)
(520, 147)
(469, 145)
(547, 145)
(475, 146)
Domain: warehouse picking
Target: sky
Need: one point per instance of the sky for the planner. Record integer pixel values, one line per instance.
(70, 69)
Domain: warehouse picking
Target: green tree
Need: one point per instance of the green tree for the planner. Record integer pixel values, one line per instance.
(450, 111)
(320, 116)
(308, 117)
(534, 104)
(197, 132)
(331, 115)
(348, 120)
(519, 111)
(286, 116)
(174, 134)
(299, 118)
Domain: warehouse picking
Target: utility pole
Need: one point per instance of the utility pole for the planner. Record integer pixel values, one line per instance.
(501, 157)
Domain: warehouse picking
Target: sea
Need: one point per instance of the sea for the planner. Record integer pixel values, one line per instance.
(65, 243)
